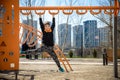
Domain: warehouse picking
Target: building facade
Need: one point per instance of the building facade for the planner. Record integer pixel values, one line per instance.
(77, 36)
(91, 34)
(64, 29)
(104, 35)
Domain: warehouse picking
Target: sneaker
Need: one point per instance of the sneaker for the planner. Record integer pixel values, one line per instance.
(61, 69)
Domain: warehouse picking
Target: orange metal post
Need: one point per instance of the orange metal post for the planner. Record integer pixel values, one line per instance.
(9, 35)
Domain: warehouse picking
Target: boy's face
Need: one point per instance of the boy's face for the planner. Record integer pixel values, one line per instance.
(47, 28)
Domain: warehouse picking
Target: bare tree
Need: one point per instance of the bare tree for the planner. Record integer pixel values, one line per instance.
(107, 19)
(79, 20)
(65, 37)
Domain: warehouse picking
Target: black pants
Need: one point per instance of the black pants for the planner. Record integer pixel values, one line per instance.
(50, 51)
(105, 61)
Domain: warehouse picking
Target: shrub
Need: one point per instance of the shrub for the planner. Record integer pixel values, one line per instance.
(70, 53)
(95, 53)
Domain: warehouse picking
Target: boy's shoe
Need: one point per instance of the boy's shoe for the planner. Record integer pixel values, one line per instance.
(61, 69)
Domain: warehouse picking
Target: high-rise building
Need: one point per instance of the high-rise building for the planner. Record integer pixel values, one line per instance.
(91, 34)
(64, 29)
(104, 36)
(74, 36)
(77, 36)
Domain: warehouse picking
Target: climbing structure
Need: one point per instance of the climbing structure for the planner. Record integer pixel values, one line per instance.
(9, 35)
(9, 27)
(62, 58)
(30, 40)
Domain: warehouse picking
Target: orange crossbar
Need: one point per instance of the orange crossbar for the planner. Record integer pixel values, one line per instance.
(69, 8)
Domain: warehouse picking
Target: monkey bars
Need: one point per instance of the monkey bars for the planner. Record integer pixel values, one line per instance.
(79, 9)
(68, 7)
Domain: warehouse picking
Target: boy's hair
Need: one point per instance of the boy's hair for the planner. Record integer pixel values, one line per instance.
(47, 23)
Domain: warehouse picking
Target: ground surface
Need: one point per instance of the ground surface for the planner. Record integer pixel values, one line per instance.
(84, 69)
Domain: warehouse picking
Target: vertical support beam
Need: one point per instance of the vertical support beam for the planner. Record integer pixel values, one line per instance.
(115, 41)
(115, 47)
(9, 37)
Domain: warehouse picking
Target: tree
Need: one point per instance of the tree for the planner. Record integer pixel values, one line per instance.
(79, 20)
(107, 19)
(65, 37)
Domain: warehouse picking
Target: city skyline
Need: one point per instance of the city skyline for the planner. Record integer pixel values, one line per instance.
(72, 19)
(76, 38)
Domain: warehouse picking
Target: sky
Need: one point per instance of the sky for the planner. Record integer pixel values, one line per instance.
(74, 19)
(58, 2)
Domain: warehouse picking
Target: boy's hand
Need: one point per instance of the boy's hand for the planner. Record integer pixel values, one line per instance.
(40, 16)
(53, 16)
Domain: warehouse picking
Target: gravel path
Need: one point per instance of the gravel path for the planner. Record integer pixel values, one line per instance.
(48, 71)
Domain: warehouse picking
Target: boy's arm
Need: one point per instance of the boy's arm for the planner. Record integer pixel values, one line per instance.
(53, 23)
(41, 24)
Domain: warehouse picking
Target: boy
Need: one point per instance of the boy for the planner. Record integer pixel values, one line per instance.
(48, 41)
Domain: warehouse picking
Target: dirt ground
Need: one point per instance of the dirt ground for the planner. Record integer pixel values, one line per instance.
(84, 69)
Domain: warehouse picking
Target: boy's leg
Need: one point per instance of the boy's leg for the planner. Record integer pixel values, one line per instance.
(54, 56)
(50, 52)
(42, 49)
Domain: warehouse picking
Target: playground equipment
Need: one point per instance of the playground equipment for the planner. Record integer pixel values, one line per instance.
(9, 36)
(35, 33)
(57, 50)
(9, 29)
(62, 57)
(110, 54)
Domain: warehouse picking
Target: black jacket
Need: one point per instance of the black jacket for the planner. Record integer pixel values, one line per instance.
(47, 38)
